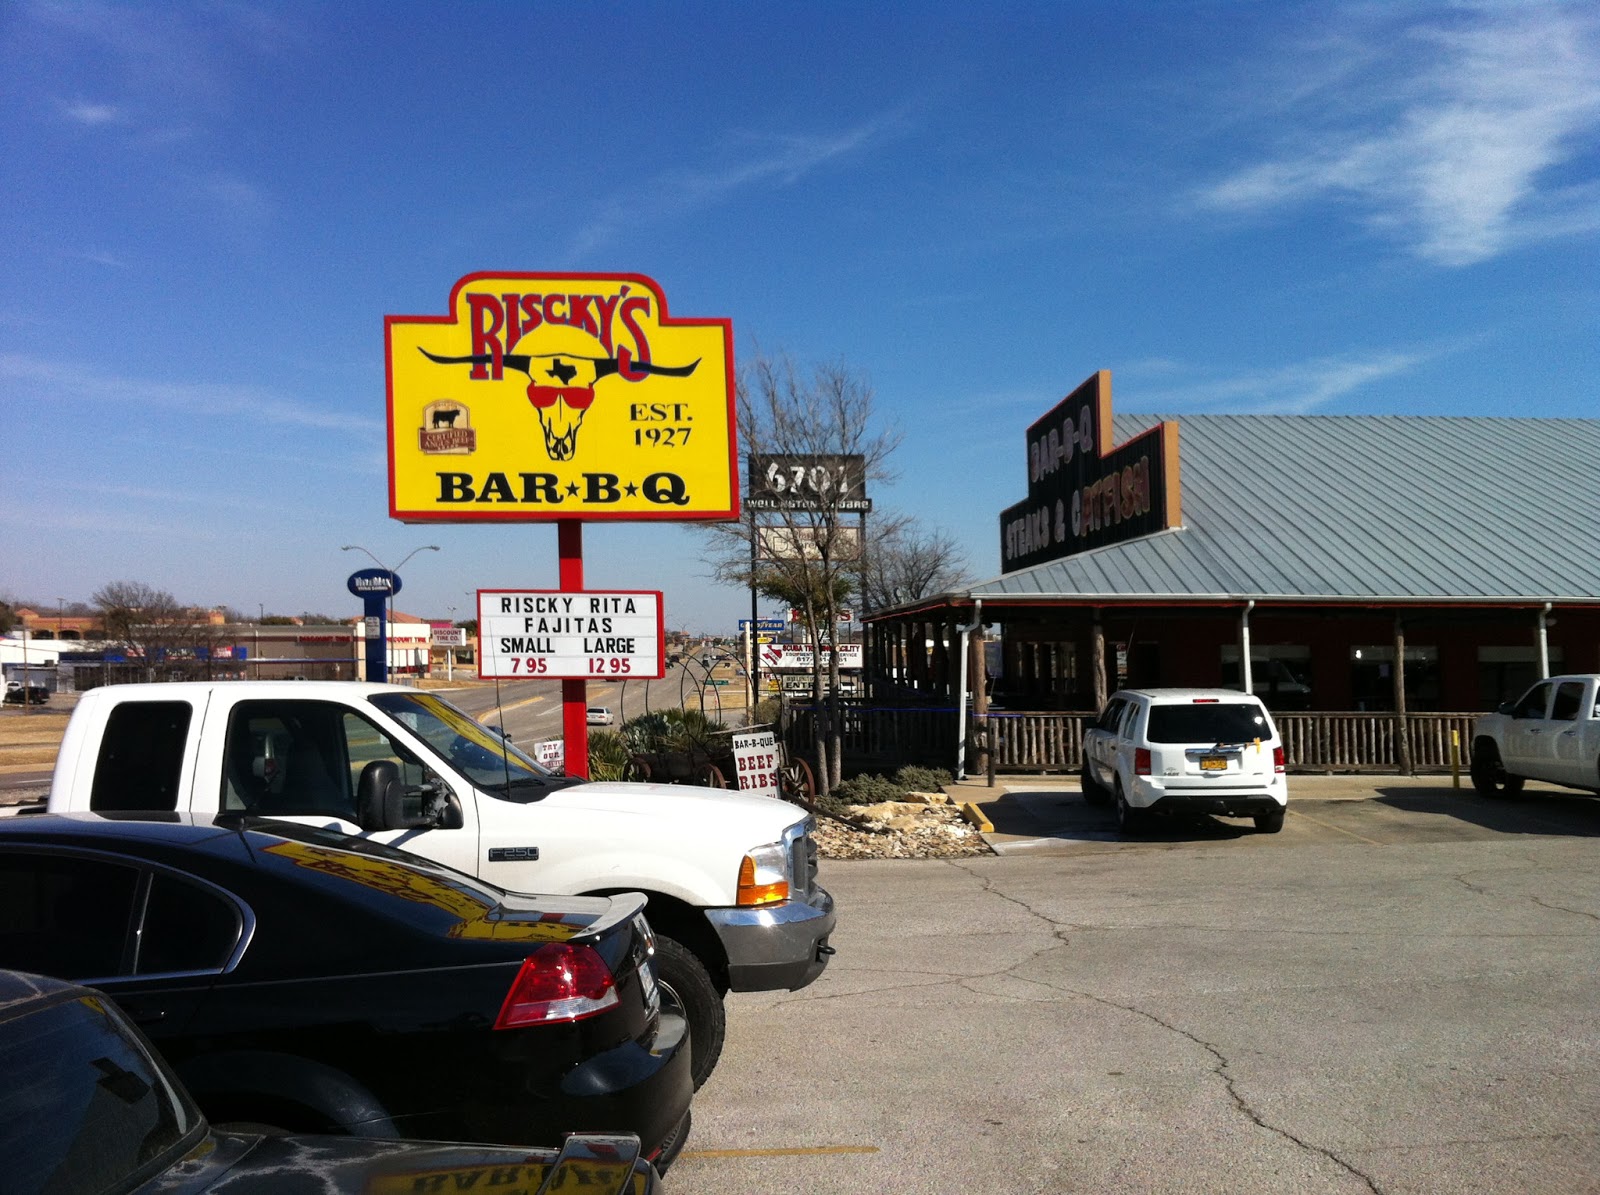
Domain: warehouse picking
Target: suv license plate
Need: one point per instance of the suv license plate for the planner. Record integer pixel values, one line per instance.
(1213, 763)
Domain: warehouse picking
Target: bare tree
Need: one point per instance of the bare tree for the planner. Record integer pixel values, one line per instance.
(808, 557)
(151, 623)
(908, 562)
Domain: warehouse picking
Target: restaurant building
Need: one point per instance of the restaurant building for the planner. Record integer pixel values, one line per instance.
(1376, 580)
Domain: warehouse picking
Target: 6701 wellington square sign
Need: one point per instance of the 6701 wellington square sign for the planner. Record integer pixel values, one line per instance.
(586, 635)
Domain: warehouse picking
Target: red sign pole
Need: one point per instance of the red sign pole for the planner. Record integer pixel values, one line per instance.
(574, 693)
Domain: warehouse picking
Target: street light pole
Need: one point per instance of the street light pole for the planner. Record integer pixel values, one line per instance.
(394, 573)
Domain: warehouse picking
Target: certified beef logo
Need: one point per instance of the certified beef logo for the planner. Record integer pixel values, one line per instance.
(446, 428)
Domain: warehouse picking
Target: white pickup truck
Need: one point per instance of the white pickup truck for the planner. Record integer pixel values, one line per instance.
(731, 878)
(1552, 732)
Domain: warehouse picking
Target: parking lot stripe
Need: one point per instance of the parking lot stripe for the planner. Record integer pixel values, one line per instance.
(797, 1152)
(1340, 829)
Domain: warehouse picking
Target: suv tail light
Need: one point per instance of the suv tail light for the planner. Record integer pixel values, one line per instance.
(1277, 759)
(558, 982)
(1141, 761)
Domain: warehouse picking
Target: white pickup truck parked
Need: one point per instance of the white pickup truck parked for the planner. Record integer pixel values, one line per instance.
(731, 878)
(1552, 733)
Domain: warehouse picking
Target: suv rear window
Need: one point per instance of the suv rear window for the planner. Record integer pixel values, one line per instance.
(1224, 722)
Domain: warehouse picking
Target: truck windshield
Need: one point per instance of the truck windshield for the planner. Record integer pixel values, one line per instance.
(483, 757)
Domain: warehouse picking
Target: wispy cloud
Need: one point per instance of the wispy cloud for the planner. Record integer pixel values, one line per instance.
(1298, 388)
(1448, 135)
(25, 379)
(772, 161)
(93, 114)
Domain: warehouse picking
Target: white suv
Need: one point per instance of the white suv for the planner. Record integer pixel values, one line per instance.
(1186, 751)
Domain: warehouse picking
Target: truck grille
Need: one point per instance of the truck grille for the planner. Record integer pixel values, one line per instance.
(803, 856)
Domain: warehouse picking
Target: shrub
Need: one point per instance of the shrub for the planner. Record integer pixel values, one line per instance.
(868, 790)
(608, 755)
(671, 729)
(923, 780)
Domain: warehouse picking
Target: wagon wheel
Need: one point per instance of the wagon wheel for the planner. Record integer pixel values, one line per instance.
(637, 768)
(708, 775)
(796, 782)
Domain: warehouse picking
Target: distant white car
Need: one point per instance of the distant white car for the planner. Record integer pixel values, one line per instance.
(1186, 751)
(599, 715)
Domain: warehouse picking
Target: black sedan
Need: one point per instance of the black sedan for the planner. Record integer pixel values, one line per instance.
(87, 1107)
(308, 981)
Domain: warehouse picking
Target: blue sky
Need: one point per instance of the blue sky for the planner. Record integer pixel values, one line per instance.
(1381, 208)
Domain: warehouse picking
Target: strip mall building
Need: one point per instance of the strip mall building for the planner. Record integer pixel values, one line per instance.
(1341, 567)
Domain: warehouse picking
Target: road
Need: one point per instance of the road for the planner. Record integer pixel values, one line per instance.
(1394, 995)
(531, 710)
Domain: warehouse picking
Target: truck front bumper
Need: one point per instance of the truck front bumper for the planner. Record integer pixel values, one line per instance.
(776, 947)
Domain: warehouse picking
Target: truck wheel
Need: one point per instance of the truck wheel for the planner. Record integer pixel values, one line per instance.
(1269, 823)
(1093, 791)
(1130, 821)
(1489, 773)
(687, 989)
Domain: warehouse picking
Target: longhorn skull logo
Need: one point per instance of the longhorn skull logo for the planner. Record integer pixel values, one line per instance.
(563, 364)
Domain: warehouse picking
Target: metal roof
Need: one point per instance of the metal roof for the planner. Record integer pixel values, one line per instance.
(1356, 508)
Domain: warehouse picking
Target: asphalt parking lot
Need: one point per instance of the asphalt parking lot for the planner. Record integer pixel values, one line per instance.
(1395, 994)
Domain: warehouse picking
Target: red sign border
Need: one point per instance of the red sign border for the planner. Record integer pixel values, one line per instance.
(587, 516)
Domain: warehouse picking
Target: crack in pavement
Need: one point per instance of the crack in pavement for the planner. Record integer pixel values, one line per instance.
(1222, 1068)
(1481, 890)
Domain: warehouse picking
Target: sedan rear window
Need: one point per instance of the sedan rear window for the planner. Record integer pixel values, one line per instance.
(1224, 722)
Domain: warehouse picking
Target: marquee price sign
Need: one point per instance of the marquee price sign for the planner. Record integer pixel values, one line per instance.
(560, 396)
(1083, 491)
(550, 635)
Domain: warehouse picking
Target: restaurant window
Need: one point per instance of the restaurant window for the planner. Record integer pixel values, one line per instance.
(1372, 678)
(1280, 674)
(1506, 673)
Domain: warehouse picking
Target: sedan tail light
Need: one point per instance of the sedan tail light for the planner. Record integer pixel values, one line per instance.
(1277, 759)
(1141, 761)
(558, 982)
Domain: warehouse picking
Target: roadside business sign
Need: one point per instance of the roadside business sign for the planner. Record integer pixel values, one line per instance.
(801, 481)
(1084, 490)
(582, 635)
(790, 655)
(449, 636)
(560, 396)
(764, 626)
(755, 759)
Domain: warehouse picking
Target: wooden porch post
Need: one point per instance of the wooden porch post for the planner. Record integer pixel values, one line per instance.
(976, 675)
(1402, 736)
(1098, 662)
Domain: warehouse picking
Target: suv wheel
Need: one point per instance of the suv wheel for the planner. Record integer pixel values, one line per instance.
(1130, 821)
(1489, 772)
(1269, 823)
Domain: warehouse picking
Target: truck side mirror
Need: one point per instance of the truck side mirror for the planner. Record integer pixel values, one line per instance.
(383, 802)
(1506, 707)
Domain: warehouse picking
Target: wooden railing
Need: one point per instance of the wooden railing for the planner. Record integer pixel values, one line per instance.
(878, 738)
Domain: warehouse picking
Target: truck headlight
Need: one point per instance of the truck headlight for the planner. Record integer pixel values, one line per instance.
(764, 875)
